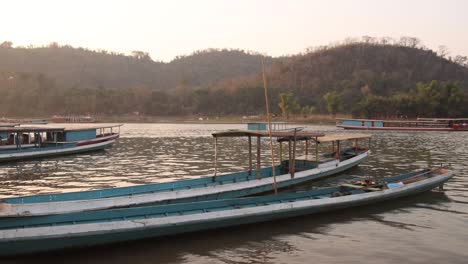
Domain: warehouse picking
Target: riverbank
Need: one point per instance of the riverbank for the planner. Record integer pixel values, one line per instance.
(192, 119)
(311, 119)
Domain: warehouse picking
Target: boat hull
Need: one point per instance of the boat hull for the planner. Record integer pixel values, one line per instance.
(224, 190)
(401, 128)
(46, 152)
(37, 239)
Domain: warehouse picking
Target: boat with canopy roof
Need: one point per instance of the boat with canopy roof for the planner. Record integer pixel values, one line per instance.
(257, 180)
(18, 143)
(420, 124)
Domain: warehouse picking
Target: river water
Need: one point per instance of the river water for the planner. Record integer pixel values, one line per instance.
(426, 228)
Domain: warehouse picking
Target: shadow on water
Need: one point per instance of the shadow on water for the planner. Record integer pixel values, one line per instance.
(255, 243)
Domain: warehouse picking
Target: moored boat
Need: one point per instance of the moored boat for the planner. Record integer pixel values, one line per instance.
(21, 142)
(38, 234)
(253, 181)
(264, 125)
(421, 124)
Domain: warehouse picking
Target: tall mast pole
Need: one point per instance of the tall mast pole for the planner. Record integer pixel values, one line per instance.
(273, 169)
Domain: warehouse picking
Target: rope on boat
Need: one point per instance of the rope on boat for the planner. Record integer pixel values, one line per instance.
(273, 170)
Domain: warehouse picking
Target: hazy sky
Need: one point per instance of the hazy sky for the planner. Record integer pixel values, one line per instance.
(166, 29)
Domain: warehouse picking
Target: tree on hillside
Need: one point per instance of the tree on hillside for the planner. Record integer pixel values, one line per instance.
(288, 104)
(452, 100)
(333, 101)
(141, 55)
(308, 110)
(428, 97)
(6, 44)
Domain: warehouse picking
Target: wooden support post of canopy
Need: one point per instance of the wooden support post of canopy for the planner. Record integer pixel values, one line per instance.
(281, 152)
(289, 156)
(294, 154)
(338, 149)
(259, 144)
(317, 151)
(250, 156)
(215, 158)
(306, 150)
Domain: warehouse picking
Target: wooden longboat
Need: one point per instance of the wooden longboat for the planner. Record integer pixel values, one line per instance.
(421, 124)
(45, 233)
(18, 143)
(240, 184)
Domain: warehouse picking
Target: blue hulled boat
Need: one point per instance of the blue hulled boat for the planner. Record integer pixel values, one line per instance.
(18, 143)
(45, 233)
(287, 173)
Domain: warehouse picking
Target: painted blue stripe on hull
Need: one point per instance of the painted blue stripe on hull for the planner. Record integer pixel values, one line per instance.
(68, 151)
(37, 245)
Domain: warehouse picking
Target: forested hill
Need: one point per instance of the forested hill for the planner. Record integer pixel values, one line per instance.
(367, 78)
(81, 68)
(355, 70)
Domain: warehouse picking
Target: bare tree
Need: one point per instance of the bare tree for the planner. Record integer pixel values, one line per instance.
(413, 42)
(6, 44)
(443, 51)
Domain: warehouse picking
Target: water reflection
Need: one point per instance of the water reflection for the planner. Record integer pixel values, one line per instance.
(427, 227)
(265, 242)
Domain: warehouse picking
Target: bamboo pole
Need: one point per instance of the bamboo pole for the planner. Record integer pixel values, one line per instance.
(269, 127)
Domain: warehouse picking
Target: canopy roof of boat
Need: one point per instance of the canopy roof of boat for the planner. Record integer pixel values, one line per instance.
(78, 128)
(31, 129)
(267, 123)
(9, 124)
(282, 135)
(419, 120)
(442, 119)
(340, 137)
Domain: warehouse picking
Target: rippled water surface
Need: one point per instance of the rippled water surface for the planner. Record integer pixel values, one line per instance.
(426, 228)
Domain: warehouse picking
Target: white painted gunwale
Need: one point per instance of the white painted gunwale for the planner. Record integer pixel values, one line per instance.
(36, 153)
(78, 230)
(10, 147)
(89, 141)
(14, 210)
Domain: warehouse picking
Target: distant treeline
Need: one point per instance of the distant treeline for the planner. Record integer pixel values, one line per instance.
(366, 77)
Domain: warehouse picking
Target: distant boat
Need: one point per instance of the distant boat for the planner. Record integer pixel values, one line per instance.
(421, 124)
(84, 229)
(290, 172)
(18, 143)
(264, 126)
(73, 119)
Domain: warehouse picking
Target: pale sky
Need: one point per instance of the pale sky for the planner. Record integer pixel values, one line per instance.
(166, 29)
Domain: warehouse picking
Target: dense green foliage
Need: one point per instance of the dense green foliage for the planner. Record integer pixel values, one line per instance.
(433, 99)
(369, 78)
